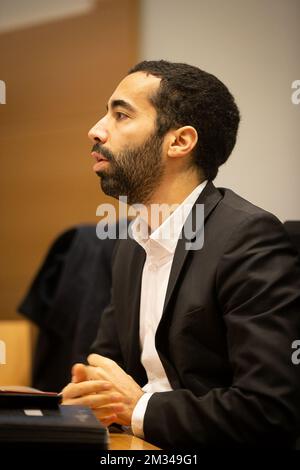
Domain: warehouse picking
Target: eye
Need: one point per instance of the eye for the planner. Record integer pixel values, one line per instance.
(120, 116)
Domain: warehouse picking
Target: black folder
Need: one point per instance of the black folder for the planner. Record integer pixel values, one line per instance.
(64, 428)
(26, 397)
(34, 423)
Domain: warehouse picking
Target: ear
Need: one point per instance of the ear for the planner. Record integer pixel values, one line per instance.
(182, 141)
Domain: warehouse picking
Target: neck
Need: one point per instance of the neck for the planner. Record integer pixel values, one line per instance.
(172, 191)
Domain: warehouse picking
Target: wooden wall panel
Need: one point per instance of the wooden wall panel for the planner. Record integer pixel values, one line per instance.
(59, 77)
(17, 336)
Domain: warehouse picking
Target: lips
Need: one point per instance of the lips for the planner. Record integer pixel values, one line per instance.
(98, 157)
(101, 161)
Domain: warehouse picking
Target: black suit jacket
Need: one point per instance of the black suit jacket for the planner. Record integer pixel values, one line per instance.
(231, 313)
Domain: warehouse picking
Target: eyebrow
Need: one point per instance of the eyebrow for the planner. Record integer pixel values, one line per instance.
(123, 104)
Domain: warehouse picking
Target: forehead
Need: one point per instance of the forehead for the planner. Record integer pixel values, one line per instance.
(137, 88)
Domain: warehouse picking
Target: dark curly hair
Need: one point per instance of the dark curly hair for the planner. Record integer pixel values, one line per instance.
(189, 96)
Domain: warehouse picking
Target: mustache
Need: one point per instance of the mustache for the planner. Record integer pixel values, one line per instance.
(100, 149)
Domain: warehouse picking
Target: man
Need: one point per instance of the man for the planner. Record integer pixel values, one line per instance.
(195, 348)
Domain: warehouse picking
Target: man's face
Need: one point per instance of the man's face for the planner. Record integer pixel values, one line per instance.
(126, 149)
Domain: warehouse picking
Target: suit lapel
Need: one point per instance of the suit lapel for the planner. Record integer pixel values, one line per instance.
(135, 367)
(209, 197)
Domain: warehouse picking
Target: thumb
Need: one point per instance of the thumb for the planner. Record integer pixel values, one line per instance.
(79, 373)
(96, 360)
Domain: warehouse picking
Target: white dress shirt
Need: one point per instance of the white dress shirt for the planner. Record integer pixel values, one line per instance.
(160, 248)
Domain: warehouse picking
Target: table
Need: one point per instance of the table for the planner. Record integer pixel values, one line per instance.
(122, 441)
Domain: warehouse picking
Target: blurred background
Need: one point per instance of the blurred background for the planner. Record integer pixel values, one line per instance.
(60, 61)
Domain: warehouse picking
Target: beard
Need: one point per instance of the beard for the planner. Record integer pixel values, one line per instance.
(135, 172)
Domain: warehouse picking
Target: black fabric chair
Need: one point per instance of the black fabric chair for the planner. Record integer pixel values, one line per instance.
(65, 300)
(293, 229)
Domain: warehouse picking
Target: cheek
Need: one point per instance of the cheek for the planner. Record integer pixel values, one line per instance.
(136, 130)
(129, 133)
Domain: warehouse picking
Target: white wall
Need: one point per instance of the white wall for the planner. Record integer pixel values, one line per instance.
(254, 47)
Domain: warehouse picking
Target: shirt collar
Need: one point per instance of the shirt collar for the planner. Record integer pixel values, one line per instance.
(162, 242)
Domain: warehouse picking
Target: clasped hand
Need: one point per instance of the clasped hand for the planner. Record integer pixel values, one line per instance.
(106, 388)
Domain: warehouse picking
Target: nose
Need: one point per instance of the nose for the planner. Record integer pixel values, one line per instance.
(98, 133)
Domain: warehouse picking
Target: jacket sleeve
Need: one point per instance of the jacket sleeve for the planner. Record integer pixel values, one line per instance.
(107, 340)
(258, 290)
(107, 343)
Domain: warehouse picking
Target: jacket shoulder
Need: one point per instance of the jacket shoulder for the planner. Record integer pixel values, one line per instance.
(241, 207)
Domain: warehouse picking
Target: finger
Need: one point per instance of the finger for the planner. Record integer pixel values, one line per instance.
(99, 403)
(79, 373)
(81, 389)
(108, 420)
(96, 360)
(97, 400)
(104, 412)
(96, 373)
